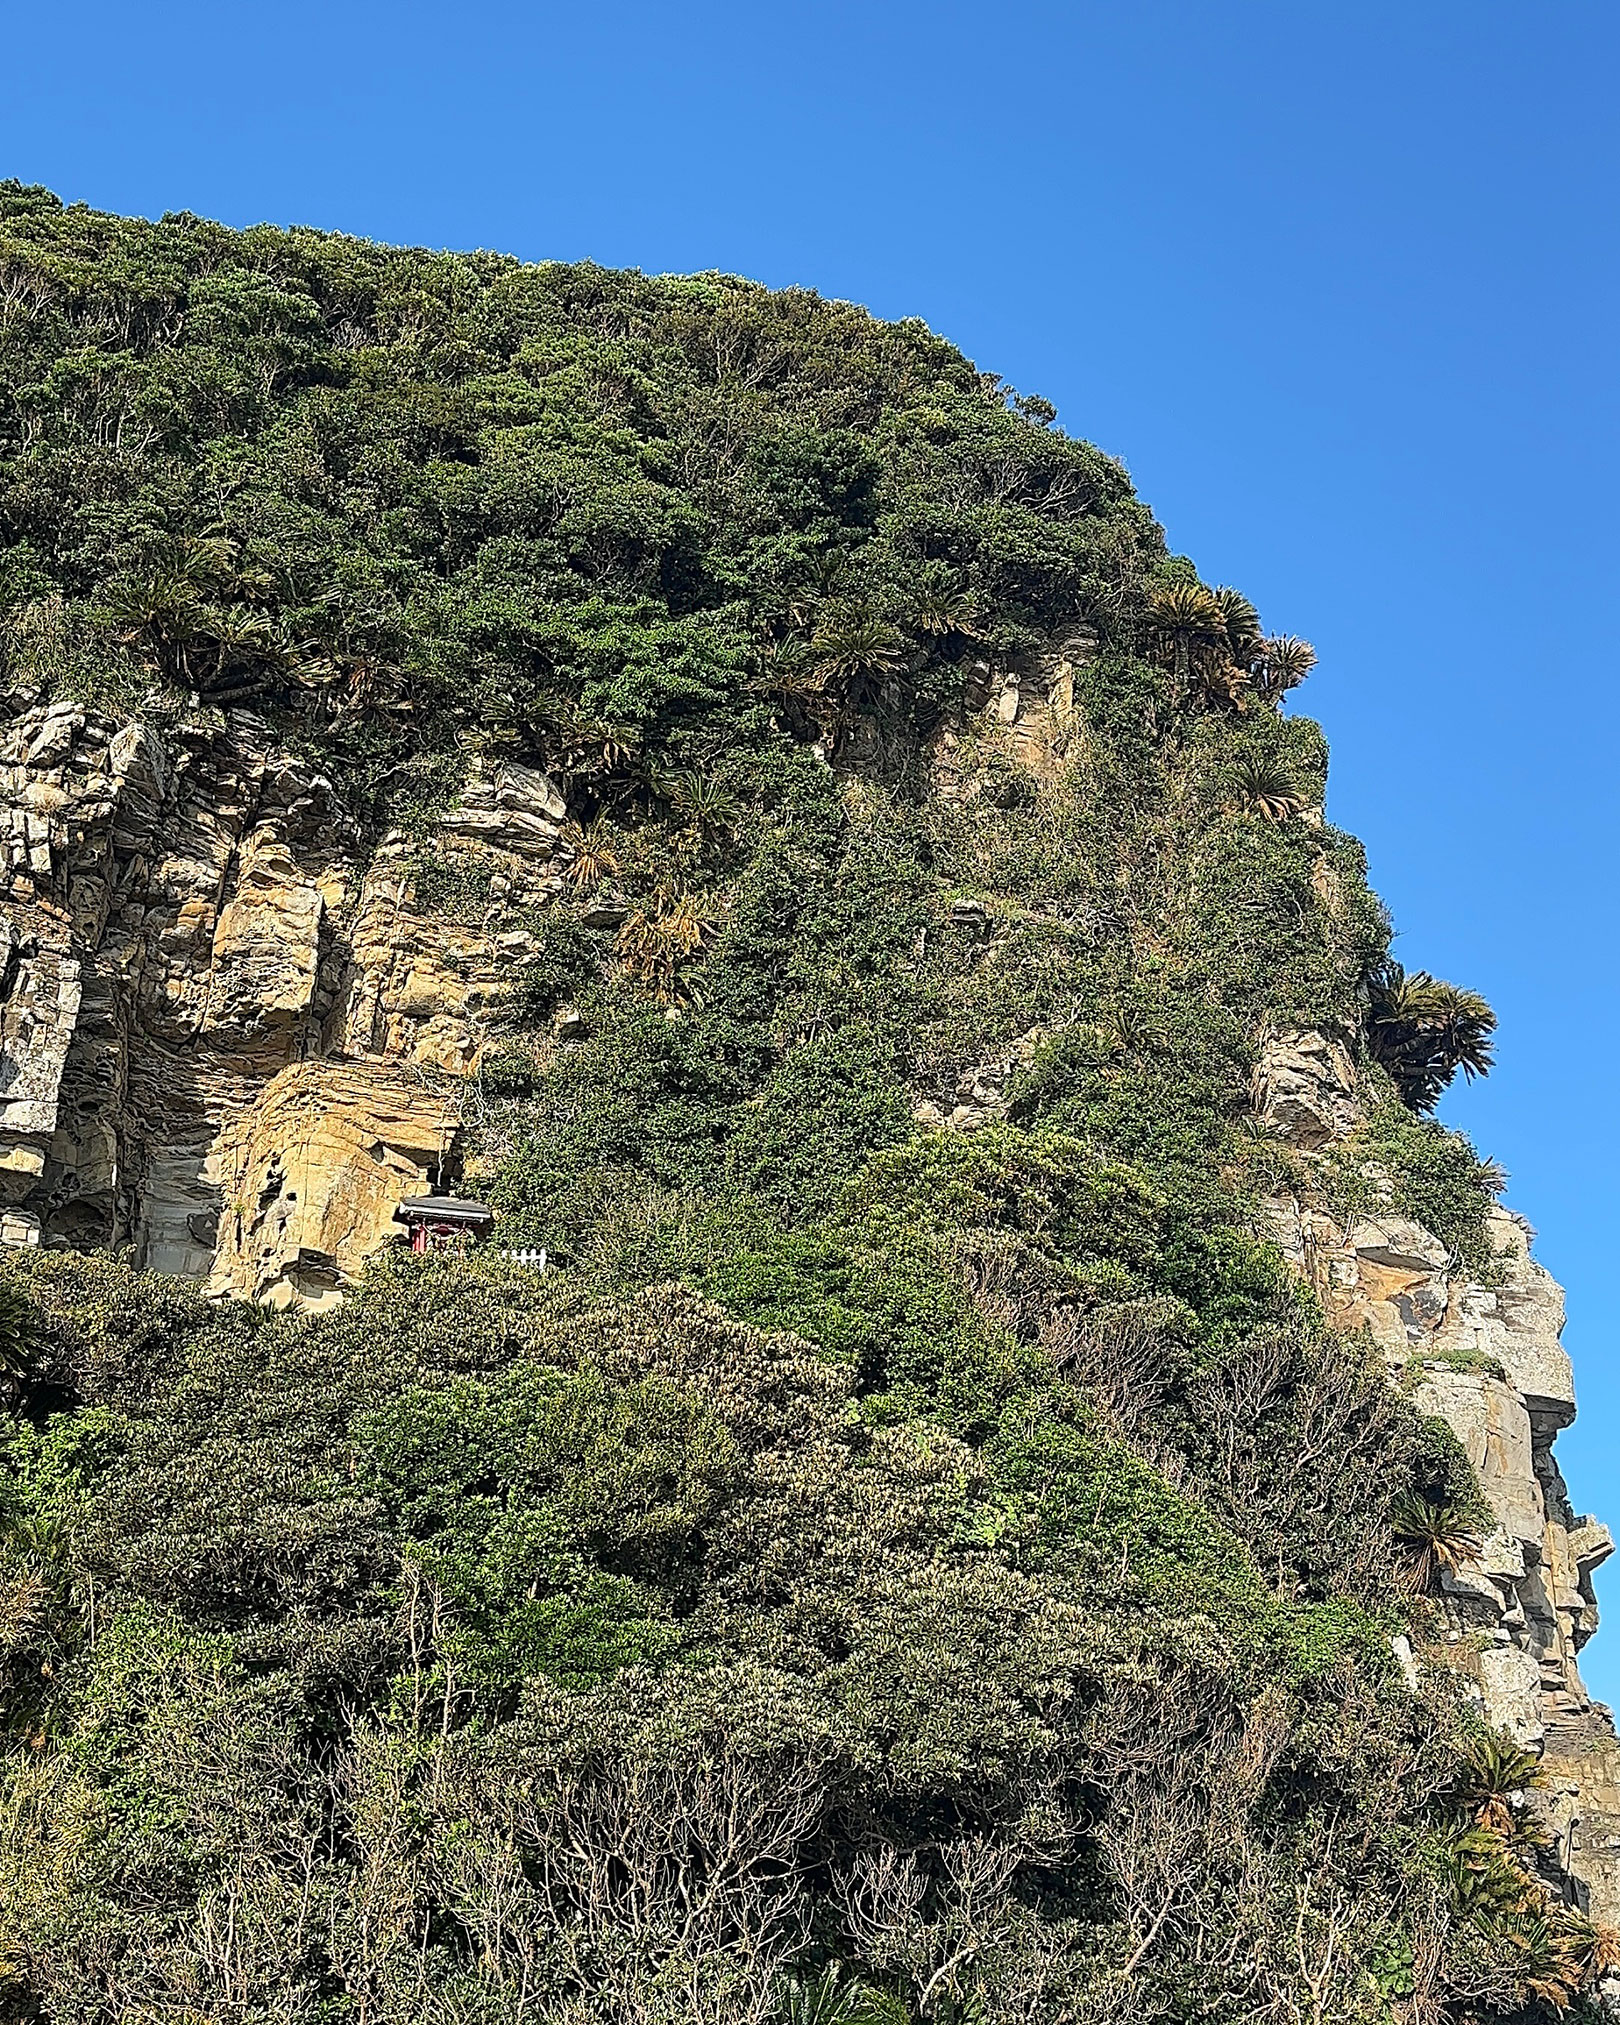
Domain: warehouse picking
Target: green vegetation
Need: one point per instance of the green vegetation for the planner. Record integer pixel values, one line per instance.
(883, 1573)
(1423, 1032)
(1395, 1160)
(1440, 1539)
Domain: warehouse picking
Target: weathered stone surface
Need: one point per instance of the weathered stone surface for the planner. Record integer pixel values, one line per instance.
(37, 1025)
(1490, 1420)
(307, 1180)
(1581, 1803)
(1510, 1683)
(981, 1090)
(1489, 1361)
(1305, 1088)
(1521, 1323)
(1027, 707)
(422, 989)
(516, 807)
(266, 941)
(189, 919)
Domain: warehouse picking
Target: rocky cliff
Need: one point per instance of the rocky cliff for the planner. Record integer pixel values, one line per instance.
(735, 785)
(229, 1040)
(1489, 1360)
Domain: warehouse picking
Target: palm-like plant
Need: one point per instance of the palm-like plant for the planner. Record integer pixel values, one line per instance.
(1546, 1951)
(829, 2001)
(196, 613)
(942, 604)
(1538, 1953)
(1227, 673)
(1424, 1030)
(584, 747)
(657, 937)
(1266, 787)
(594, 858)
(1242, 624)
(856, 652)
(1188, 629)
(155, 612)
(1485, 1881)
(1280, 665)
(1489, 1793)
(240, 640)
(787, 668)
(1437, 1537)
(703, 801)
(1495, 1766)
(1593, 1949)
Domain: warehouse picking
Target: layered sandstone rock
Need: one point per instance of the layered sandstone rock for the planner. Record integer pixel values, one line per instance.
(215, 997)
(1489, 1360)
(308, 1177)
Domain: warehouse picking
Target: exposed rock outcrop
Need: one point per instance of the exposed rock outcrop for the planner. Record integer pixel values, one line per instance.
(215, 999)
(308, 1177)
(1489, 1360)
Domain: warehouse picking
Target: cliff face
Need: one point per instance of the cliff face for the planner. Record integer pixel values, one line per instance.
(227, 1041)
(232, 1041)
(1488, 1360)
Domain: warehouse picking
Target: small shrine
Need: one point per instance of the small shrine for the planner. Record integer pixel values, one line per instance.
(443, 1222)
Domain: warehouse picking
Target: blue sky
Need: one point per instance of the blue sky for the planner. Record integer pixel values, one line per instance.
(1338, 284)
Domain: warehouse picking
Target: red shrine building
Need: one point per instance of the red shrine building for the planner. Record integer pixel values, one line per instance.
(443, 1222)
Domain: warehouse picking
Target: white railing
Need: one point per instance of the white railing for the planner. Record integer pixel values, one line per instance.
(537, 1259)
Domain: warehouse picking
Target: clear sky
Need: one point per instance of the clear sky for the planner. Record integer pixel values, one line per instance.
(1338, 283)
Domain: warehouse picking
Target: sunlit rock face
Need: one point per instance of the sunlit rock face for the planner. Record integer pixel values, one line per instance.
(1489, 1360)
(228, 1033)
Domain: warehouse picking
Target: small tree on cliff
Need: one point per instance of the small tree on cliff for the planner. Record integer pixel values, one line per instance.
(1424, 1030)
(1189, 629)
(1437, 1538)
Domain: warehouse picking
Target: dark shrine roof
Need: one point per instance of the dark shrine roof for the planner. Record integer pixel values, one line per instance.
(444, 1209)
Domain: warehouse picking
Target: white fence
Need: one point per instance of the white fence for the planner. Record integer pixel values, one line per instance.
(526, 1258)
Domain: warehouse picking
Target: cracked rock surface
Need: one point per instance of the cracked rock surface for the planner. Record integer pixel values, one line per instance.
(227, 1032)
(1490, 1361)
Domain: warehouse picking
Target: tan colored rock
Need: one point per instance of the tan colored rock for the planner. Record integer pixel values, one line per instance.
(21, 1167)
(516, 808)
(186, 917)
(1305, 1088)
(266, 942)
(1489, 1419)
(1581, 1805)
(1488, 1360)
(423, 989)
(309, 1177)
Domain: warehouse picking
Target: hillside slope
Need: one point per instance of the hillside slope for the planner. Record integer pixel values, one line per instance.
(997, 1463)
